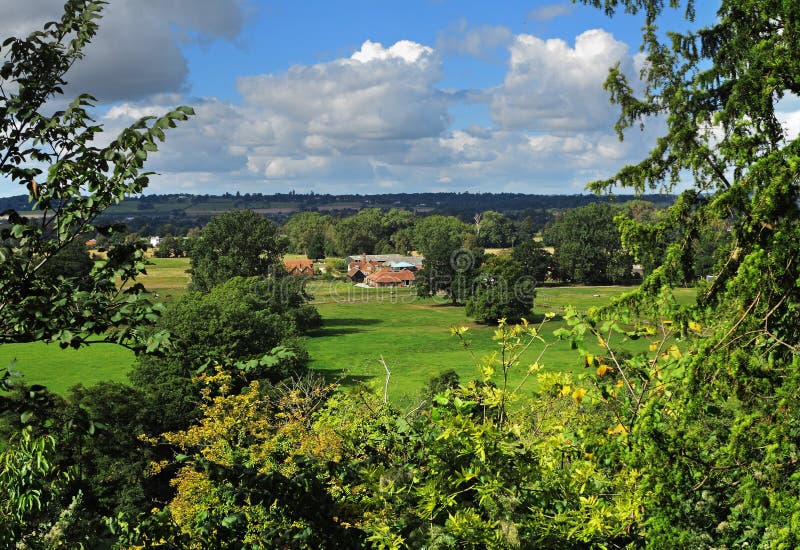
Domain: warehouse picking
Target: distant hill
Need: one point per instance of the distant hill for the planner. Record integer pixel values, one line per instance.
(181, 211)
(284, 204)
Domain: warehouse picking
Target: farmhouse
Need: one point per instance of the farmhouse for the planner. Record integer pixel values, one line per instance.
(365, 266)
(299, 267)
(384, 259)
(390, 278)
(356, 275)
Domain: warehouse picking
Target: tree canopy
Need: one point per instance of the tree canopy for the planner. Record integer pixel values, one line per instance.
(588, 248)
(503, 290)
(721, 449)
(239, 243)
(70, 181)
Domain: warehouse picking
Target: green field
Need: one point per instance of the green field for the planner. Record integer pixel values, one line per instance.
(361, 326)
(413, 336)
(60, 369)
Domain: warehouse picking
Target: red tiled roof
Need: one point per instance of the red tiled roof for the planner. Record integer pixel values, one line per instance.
(366, 267)
(389, 276)
(305, 267)
(298, 263)
(406, 275)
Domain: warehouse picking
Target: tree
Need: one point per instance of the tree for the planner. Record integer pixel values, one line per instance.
(307, 232)
(241, 319)
(451, 262)
(719, 451)
(239, 243)
(503, 290)
(71, 262)
(535, 260)
(358, 234)
(171, 247)
(70, 182)
(588, 248)
(496, 230)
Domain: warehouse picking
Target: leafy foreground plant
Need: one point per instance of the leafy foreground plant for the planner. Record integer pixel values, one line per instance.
(70, 181)
(483, 465)
(720, 453)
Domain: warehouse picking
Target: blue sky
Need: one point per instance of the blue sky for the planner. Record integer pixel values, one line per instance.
(365, 97)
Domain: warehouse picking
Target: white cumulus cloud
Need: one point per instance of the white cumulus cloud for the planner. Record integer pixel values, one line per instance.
(551, 86)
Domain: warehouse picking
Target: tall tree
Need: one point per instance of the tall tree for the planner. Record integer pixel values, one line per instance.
(239, 243)
(503, 290)
(535, 260)
(587, 245)
(452, 257)
(307, 231)
(358, 234)
(720, 453)
(70, 182)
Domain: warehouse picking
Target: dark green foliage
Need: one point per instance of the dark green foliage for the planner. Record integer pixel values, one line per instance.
(239, 243)
(535, 260)
(358, 234)
(95, 434)
(720, 456)
(503, 290)
(587, 245)
(166, 380)
(172, 247)
(104, 424)
(496, 231)
(238, 319)
(316, 249)
(241, 319)
(308, 232)
(72, 262)
(452, 258)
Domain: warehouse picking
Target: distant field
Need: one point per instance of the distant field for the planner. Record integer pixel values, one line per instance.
(361, 325)
(413, 337)
(60, 369)
(166, 273)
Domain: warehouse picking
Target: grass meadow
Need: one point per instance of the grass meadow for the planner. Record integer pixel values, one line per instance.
(412, 335)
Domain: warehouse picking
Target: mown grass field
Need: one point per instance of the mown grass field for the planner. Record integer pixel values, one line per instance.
(413, 336)
(60, 369)
(361, 325)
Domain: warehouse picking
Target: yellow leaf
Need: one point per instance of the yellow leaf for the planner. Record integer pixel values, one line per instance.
(565, 391)
(695, 327)
(603, 369)
(653, 346)
(578, 394)
(618, 429)
(534, 368)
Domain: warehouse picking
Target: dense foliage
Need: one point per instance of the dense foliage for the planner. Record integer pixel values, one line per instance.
(239, 243)
(588, 249)
(690, 442)
(503, 290)
(721, 455)
(48, 289)
(452, 258)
